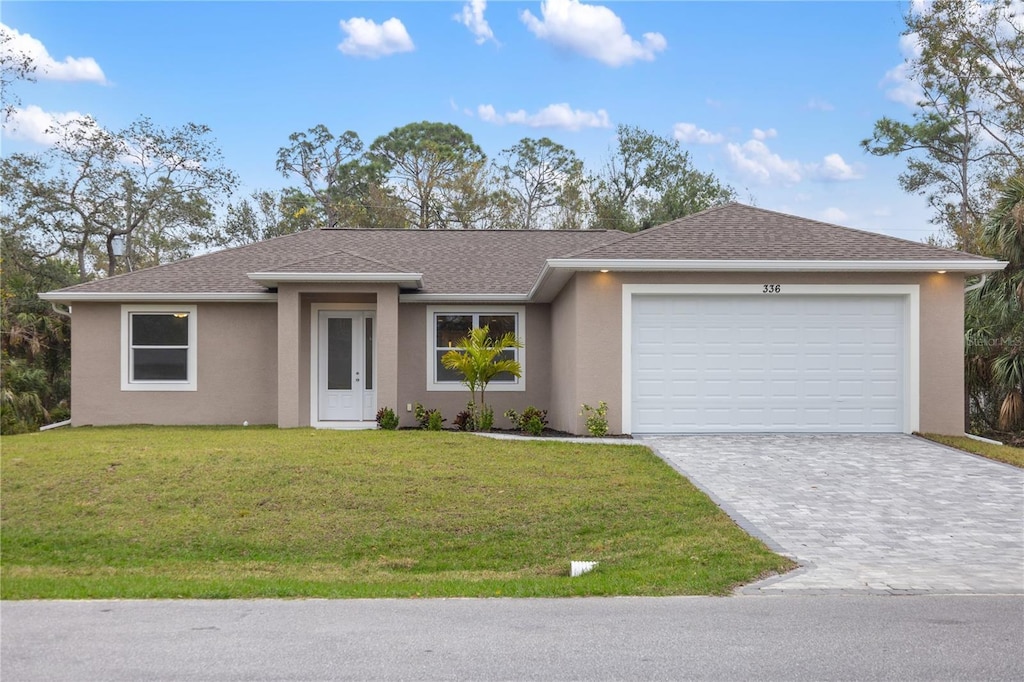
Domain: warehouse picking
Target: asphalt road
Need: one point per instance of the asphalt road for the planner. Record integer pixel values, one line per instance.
(738, 638)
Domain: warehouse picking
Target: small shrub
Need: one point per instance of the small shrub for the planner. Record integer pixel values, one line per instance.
(485, 418)
(596, 418)
(434, 420)
(419, 413)
(531, 421)
(463, 421)
(534, 426)
(387, 419)
(424, 416)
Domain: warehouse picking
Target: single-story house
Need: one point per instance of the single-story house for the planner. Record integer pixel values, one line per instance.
(735, 319)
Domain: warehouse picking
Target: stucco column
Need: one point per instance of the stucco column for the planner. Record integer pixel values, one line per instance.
(387, 347)
(289, 318)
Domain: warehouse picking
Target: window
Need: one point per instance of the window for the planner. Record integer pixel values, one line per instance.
(158, 348)
(446, 325)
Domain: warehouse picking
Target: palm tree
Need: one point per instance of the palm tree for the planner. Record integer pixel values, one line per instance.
(995, 317)
(479, 358)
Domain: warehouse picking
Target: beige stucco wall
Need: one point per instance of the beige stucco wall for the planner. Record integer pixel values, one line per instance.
(253, 358)
(565, 357)
(588, 319)
(236, 369)
(412, 368)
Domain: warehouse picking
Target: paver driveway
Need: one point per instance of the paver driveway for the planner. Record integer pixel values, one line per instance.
(885, 513)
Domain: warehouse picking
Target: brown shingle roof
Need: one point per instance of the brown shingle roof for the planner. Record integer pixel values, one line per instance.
(510, 261)
(339, 261)
(739, 232)
(455, 261)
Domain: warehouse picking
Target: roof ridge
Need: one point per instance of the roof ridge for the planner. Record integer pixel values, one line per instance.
(709, 209)
(196, 257)
(860, 231)
(822, 223)
(670, 223)
(347, 252)
(616, 240)
(412, 230)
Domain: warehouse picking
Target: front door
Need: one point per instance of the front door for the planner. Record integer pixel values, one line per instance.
(345, 366)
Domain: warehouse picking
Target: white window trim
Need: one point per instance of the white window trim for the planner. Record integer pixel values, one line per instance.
(469, 309)
(192, 383)
(912, 331)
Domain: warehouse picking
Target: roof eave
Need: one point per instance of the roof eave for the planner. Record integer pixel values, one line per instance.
(60, 296)
(970, 266)
(464, 298)
(558, 271)
(407, 280)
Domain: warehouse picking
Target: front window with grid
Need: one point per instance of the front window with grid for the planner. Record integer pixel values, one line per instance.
(448, 327)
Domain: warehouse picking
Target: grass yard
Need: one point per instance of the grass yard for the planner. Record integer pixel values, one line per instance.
(1001, 453)
(139, 512)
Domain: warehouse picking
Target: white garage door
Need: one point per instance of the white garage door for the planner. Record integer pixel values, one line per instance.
(727, 363)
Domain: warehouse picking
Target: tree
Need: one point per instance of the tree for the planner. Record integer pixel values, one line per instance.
(35, 357)
(434, 168)
(994, 334)
(345, 186)
(574, 202)
(14, 66)
(649, 179)
(479, 358)
(541, 175)
(263, 215)
(154, 189)
(688, 192)
(967, 134)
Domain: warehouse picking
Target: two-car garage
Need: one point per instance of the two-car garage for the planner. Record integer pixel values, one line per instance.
(769, 358)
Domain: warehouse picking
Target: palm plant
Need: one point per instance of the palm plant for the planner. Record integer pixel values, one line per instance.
(995, 319)
(479, 358)
(21, 404)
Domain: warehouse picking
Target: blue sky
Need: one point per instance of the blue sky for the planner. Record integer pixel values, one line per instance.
(772, 97)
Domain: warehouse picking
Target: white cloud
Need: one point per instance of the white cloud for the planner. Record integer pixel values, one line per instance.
(366, 38)
(691, 134)
(834, 169)
(487, 113)
(834, 215)
(35, 125)
(759, 134)
(900, 86)
(560, 116)
(591, 30)
(818, 104)
(46, 67)
(713, 103)
(472, 17)
(754, 160)
(898, 81)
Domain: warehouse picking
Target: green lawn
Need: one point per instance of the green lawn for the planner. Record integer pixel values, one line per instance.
(1002, 453)
(261, 512)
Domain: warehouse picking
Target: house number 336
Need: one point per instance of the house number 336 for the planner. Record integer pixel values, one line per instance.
(772, 289)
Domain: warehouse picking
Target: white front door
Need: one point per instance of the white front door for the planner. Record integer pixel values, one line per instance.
(345, 366)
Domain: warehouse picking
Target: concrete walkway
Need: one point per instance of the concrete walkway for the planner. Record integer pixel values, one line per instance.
(865, 513)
